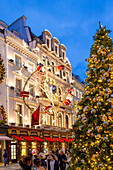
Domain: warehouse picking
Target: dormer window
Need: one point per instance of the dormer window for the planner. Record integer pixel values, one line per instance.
(63, 55)
(56, 49)
(48, 43)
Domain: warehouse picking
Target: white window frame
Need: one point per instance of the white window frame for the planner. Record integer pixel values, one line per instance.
(21, 59)
(23, 121)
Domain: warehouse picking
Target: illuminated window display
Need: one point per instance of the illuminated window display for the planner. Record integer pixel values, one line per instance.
(34, 148)
(45, 148)
(24, 148)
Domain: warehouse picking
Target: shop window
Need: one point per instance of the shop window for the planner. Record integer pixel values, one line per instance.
(34, 148)
(24, 149)
(67, 122)
(30, 67)
(17, 61)
(18, 87)
(48, 43)
(60, 120)
(19, 115)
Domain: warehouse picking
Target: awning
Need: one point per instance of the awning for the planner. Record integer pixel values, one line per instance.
(38, 139)
(17, 137)
(71, 139)
(2, 137)
(67, 140)
(28, 138)
(59, 140)
(50, 139)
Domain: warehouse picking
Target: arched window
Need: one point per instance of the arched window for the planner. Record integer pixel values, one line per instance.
(67, 122)
(60, 120)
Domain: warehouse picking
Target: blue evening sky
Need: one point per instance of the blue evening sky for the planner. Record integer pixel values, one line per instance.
(73, 22)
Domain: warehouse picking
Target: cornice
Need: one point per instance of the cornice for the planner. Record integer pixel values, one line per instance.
(18, 47)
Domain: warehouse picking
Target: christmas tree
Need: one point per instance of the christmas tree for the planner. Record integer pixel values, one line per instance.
(2, 70)
(3, 116)
(92, 147)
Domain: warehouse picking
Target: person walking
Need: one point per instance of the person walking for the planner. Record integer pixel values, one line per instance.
(42, 159)
(68, 159)
(63, 160)
(37, 164)
(26, 163)
(52, 163)
(5, 157)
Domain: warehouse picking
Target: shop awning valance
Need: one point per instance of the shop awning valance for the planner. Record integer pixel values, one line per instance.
(59, 140)
(38, 139)
(3, 137)
(17, 137)
(71, 139)
(50, 139)
(28, 138)
(67, 140)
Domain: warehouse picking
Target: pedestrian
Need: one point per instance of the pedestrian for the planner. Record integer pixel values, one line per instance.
(37, 164)
(26, 163)
(68, 159)
(5, 157)
(52, 163)
(63, 160)
(42, 159)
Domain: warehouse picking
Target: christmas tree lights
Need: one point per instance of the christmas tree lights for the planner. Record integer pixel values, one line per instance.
(92, 147)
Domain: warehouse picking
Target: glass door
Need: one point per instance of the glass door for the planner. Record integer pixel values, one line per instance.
(13, 152)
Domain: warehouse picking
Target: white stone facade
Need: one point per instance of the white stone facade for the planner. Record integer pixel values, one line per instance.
(22, 51)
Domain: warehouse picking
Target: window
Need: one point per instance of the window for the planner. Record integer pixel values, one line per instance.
(76, 93)
(53, 68)
(44, 60)
(24, 148)
(67, 123)
(31, 90)
(60, 73)
(48, 43)
(18, 87)
(67, 76)
(75, 107)
(17, 61)
(60, 120)
(59, 90)
(19, 115)
(30, 67)
(51, 120)
(56, 49)
(63, 73)
(63, 55)
(34, 148)
(31, 112)
(44, 119)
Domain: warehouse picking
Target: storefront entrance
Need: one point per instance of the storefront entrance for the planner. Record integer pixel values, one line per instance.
(13, 152)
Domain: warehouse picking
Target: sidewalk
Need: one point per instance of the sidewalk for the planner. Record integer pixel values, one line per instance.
(14, 166)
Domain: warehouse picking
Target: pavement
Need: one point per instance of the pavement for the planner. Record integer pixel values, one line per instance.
(14, 166)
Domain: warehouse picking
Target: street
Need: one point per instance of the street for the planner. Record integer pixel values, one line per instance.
(11, 166)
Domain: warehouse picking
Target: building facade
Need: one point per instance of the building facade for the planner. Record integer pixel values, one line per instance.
(22, 52)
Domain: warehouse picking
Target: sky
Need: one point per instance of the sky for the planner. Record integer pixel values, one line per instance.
(73, 22)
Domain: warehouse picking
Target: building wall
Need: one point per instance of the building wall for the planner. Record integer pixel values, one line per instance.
(12, 46)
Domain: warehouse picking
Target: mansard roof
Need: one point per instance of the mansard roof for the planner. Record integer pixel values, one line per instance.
(3, 23)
